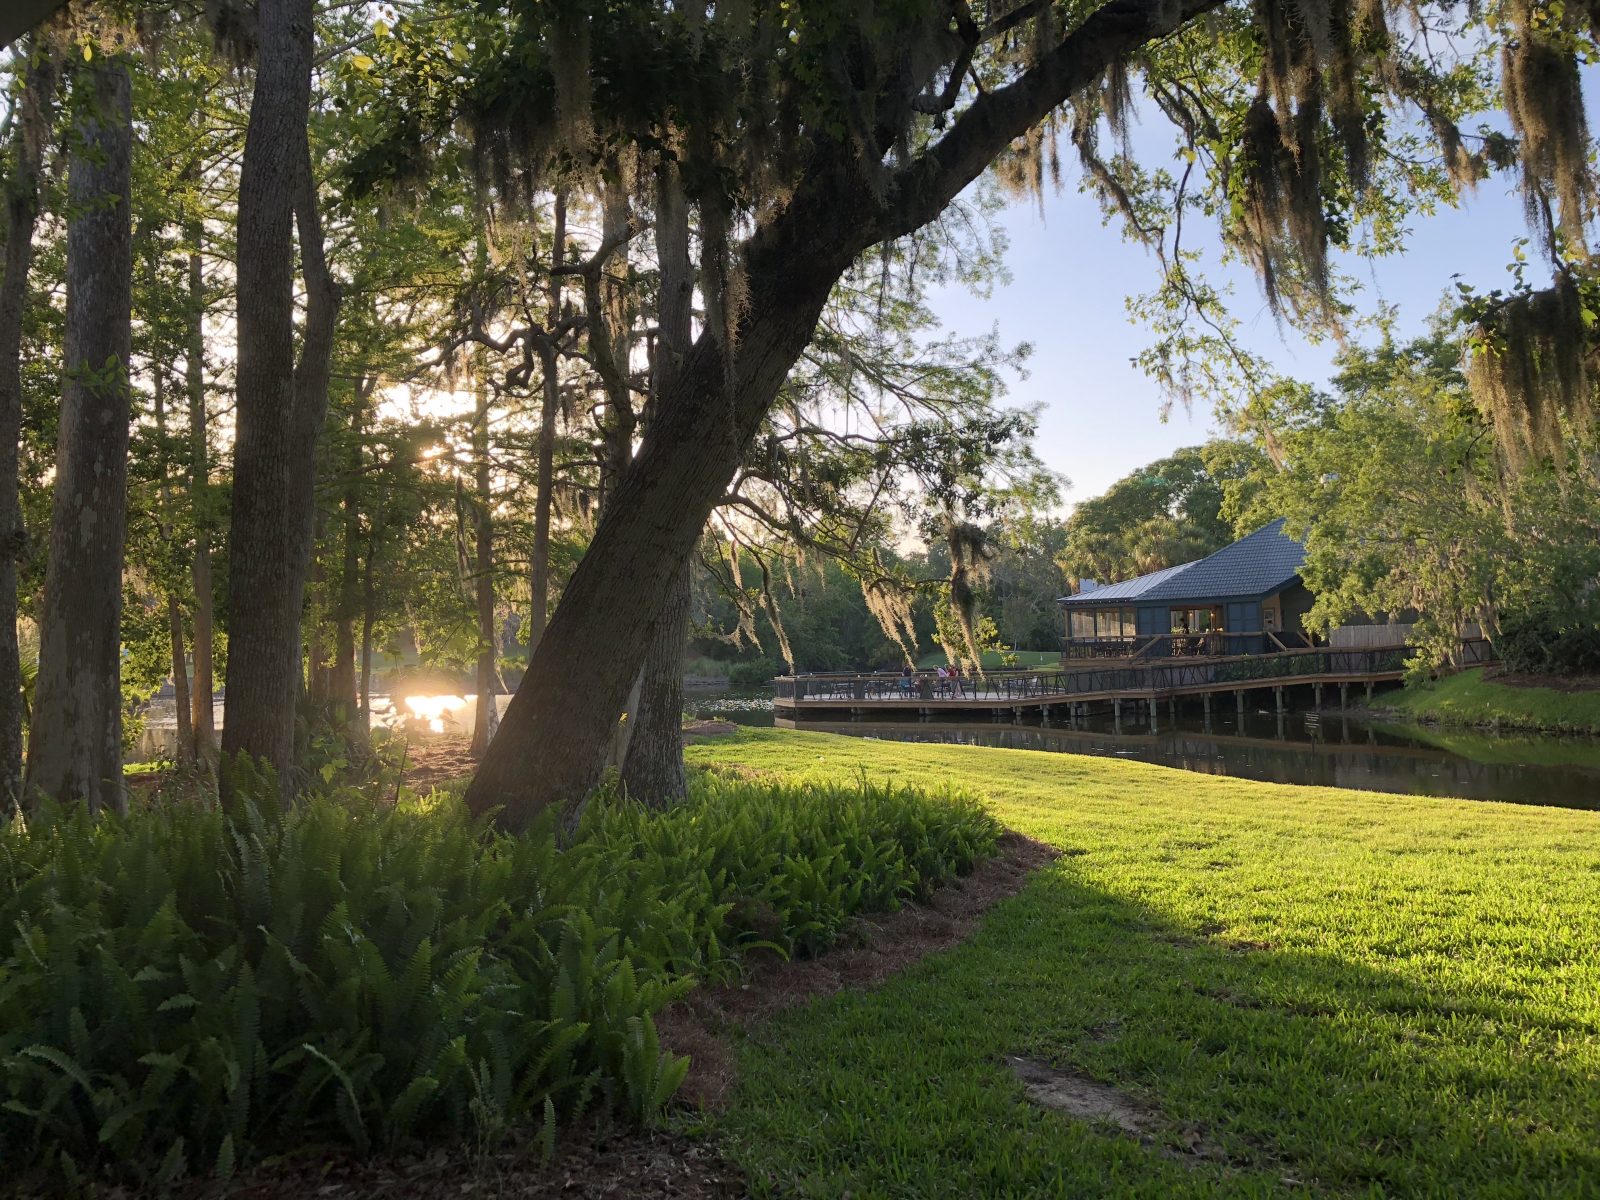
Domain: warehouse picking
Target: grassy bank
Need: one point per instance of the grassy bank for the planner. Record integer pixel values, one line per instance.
(1305, 990)
(1470, 699)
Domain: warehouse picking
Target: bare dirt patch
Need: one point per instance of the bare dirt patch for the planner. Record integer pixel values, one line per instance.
(596, 1164)
(1080, 1097)
(1556, 683)
(699, 731)
(1088, 1100)
(884, 943)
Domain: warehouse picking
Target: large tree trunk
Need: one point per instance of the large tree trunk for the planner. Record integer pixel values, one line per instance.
(653, 770)
(281, 404)
(21, 190)
(202, 697)
(75, 748)
(555, 734)
(549, 408)
(487, 718)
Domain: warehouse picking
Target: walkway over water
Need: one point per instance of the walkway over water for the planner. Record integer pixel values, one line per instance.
(1068, 692)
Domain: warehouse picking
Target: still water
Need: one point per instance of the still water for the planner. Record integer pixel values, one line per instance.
(1305, 747)
(1326, 749)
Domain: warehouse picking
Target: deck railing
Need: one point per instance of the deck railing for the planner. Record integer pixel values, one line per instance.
(1184, 645)
(1123, 674)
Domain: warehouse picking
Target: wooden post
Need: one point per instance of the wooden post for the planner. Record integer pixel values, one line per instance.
(1278, 695)
(1344, 696)
(1369, 691)
(1316, 695)
(1239, 698)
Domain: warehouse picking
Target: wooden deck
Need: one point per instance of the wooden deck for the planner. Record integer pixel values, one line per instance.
(1073, 689)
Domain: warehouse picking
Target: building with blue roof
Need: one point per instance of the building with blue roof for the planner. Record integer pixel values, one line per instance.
(1246, 598)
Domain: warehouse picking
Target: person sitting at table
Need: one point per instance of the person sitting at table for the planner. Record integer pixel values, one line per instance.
(944, 681)
(955, 681)
(907, 679)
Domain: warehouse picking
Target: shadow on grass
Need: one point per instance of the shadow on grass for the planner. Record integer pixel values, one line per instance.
(1297, 1072)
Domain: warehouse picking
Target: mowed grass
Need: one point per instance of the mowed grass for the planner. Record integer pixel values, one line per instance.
(1470, 699)
(1324, 992)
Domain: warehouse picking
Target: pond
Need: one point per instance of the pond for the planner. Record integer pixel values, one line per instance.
(1327, 749)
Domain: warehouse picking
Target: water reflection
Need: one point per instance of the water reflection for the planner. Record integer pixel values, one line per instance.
(1327, 749)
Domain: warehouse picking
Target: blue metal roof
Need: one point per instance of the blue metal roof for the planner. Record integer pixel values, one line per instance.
(1128, 589)
(1258, 565)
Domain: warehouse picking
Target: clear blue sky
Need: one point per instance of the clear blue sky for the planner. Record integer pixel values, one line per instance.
(1102, 416)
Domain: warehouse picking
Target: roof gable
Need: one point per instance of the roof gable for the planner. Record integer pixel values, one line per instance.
(1261, 563)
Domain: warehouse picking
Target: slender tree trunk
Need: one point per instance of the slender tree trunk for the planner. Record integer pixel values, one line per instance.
(368, 616)
(180, 661)
(342, 685)
(487, 718)
(180, 680)
(281, 403)
(21, 192)
(319, 672)
(549, 409)
(202, 719)
(75, 750)
(653, 770)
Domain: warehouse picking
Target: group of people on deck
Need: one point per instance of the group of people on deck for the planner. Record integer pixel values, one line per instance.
(948, 681)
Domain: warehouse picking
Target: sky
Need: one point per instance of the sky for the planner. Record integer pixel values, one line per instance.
(1102, 417)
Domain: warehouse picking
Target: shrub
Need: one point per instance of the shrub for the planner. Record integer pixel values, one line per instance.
(1548, 640)
(754, 674)
(183, 989)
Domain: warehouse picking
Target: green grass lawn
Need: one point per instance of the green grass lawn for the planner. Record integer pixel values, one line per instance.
(1470, 699)
(1343, 993)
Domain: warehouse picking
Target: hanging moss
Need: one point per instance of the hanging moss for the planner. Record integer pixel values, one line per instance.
(970, 559)
(1531, 371)
(1544, 99)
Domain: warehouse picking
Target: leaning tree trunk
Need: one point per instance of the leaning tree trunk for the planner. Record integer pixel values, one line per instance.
(486, 719)
(653, 770)
(556, 731)
(75, 747)
(21, 190)
(281, 403)
(202, 695)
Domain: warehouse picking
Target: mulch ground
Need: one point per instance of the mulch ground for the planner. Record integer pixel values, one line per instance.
(879, 945)
(1556, 683)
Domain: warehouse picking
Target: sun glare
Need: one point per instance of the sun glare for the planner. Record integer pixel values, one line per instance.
(434, 709)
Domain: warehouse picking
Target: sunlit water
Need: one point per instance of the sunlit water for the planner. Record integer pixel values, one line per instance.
(1326, 749)
(1309, 748)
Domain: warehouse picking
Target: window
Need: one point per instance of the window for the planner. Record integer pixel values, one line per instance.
(1197, 620)
(1100, 624)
